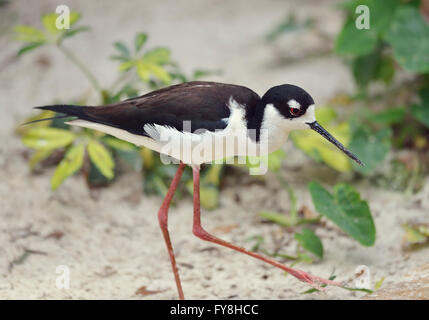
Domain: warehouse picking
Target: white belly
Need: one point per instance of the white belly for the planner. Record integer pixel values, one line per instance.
(190, 148)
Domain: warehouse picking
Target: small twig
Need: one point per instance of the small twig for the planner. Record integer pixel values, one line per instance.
(21, 259)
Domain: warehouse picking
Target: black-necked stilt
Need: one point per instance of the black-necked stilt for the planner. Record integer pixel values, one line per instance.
(198, 122)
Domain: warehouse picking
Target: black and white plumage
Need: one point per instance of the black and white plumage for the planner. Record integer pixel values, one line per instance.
(202, 114)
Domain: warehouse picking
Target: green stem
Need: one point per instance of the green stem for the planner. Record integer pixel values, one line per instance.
(72, 57)
(293, 212)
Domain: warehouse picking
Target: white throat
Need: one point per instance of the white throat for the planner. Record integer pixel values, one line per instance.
(275, 128)
(273, 131)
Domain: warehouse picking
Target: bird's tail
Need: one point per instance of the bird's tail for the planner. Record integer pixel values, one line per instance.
(66, 110)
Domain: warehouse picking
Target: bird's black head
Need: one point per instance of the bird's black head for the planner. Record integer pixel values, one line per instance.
(289, 100)
(292, 108)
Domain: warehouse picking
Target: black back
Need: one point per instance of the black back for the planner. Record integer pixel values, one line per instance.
(205, 104)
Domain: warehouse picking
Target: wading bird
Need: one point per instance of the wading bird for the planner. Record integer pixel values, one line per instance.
(195, 123)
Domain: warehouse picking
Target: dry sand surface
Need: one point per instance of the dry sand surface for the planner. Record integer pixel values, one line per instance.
(113, 245)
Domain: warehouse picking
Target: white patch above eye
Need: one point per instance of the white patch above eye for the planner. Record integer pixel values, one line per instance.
(294, 104)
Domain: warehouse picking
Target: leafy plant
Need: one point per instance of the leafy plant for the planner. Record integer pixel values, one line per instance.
(345, 208)
(51, 35)
(398, 38)
(309, 241)
(416, 234)
(322, 150)
(93, 152)
(392, 24)
(149, 66)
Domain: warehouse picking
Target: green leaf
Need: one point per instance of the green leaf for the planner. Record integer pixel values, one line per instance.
(421, 111)
(74, 17)
(371, 147)
(159, 56)
(159, 73)
(140, 41)
(378, 284)
(38, 156)
(277, 218)
(29, 34)
(303, 257)
(29, 47)
(390, 116)
(320, 149)
(273, 160)
(212, 175)
(22, 130)
(386, 69)
(148, 158)
(416, 233)
(126, 151)
(49, 22)
(409, 37)
(365, 68)
(117, 144)
(310, 241)
(352, 41)
(122, 48)
(71, 163)
(358, 289)
(381, 12)
(326, 115)
(95, 178)
(143, 71)
(373, 66)
(47, 138)
(101, 158)
(209, 197)
(126, 65)
(346, 210)
(71, 32)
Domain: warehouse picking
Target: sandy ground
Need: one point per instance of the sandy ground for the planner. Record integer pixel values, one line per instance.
(112, 246)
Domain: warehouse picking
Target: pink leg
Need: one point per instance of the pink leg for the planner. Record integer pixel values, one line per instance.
(202, 234)
(163, 222)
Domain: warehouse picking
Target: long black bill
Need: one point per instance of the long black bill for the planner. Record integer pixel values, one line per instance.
(319, 129)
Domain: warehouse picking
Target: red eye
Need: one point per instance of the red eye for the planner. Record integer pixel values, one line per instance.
(294, 111)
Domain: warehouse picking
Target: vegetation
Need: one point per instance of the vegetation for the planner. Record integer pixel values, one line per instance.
(389, 113)
(93, 152)
(392, 54)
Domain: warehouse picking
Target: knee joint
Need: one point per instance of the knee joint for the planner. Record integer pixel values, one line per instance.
(200, 232)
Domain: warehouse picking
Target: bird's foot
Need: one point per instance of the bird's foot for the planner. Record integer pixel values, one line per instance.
(314, 281)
